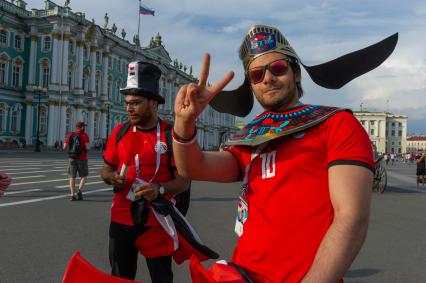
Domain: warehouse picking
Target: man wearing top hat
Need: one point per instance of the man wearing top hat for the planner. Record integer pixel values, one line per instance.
(141, 150)
(306, 170)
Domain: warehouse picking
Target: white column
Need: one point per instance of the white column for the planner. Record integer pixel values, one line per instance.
(104, 91)
(63, 125)
(65, 60)
(80, 64)
(93, 70)
(55, 58)
(90, 129)
(33, 51)
(29, 122)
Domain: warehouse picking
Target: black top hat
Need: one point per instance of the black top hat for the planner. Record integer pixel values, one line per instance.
(143, 79)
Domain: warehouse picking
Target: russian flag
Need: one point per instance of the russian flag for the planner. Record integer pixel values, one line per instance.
(144, 10)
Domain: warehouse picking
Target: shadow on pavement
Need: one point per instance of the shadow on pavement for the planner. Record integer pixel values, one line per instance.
(364, 272)
(391, 189)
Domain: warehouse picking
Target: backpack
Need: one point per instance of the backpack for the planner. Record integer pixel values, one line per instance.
(182, 199)
(74, 145)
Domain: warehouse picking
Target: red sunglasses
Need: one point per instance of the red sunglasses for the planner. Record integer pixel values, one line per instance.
(277, 68)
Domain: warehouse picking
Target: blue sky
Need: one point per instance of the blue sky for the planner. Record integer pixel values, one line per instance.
(318, 30)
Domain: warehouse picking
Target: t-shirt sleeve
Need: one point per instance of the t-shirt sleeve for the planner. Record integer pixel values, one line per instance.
(110, 154)
(238, 155)
(85, 138)
(347, 142)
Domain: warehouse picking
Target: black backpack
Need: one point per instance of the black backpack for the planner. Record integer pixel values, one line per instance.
(182, 199)
(74, 145)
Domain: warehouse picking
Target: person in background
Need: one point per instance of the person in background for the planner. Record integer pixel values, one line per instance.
(78, 159)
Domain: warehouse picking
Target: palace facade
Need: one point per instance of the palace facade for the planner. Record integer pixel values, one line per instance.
(57, 68)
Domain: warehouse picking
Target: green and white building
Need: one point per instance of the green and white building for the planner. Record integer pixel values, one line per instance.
(57, 68)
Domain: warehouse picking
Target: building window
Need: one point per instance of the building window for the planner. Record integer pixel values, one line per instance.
(363, 122)
(393, 133)
(86, 83)
(71, 47)
(393, 124)
(117, 92)
(109, 62)
(3, 73)
(400, 133)
(45, 76)
(372, 132)
(85, 52)
(400, 124)
(18, 42)
(47, 43)
(3, 38)
(372, 123)
(98, 57)
(109, 90)
(43, 120)
(70, 86)
(119, 65)
(14, 120)
(97, 86)
(16, 76)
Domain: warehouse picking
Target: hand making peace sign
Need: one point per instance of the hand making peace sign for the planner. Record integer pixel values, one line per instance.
(193, 98)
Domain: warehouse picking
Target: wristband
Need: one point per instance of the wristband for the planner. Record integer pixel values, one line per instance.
(178, 139)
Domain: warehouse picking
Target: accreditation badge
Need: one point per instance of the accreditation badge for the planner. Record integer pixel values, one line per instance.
(242, 214)
(137, 183)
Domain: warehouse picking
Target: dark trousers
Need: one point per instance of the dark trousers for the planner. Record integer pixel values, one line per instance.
(123, 255)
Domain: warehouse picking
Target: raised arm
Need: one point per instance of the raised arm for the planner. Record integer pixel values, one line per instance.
(191, 162)
(350, 193)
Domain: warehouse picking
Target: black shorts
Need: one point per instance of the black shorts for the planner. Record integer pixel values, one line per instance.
(420, 171)
(80, 166)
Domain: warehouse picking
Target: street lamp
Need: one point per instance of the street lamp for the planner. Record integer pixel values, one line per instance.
(38, 90)
(107, 121)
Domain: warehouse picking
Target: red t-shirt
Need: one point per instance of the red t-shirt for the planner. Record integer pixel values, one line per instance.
(141, 142)
(289, 207)
(84, 138)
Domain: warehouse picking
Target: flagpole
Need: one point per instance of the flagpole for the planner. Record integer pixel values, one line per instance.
(139, 22)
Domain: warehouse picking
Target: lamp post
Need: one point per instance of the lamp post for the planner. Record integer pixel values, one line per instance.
(108, 105)
(38, 90)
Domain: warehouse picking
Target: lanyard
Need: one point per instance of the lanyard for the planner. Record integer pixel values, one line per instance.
(157, 162)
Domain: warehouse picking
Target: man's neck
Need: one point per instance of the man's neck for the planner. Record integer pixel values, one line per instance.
(151, 123)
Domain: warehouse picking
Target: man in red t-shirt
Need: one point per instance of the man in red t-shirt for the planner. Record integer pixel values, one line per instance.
(78, 163)
(142, 149)
(307, 170)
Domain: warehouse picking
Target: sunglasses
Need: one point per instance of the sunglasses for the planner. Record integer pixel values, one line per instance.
(277, 68)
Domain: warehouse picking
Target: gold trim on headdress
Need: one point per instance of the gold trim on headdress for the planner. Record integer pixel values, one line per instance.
(267, 38)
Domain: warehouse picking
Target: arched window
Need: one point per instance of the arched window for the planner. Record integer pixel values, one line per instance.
(17, 69)
(44, 72)
(18, 42)
(4, 67)
(15, 118)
